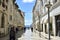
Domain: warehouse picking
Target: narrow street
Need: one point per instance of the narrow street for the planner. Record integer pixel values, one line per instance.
(29, 35)
(19, 34)
(29, 19)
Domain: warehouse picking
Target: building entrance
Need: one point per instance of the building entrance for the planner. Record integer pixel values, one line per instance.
(57, 25)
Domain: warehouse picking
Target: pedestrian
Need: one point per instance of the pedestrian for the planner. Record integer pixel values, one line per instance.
(16, 30)
(12, 34)
(24, 29)
(32, 29)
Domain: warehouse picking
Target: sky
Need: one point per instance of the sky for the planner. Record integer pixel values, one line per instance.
(26, 6)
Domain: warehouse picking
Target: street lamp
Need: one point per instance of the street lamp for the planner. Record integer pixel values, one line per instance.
(48, 6)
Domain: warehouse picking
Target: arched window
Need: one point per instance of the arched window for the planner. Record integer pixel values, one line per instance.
(7, 1)
(2, 21)
(3, 4)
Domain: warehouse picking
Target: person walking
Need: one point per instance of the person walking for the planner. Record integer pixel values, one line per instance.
(12, 34)
(32, 29)
(16, 30)
(24, 29)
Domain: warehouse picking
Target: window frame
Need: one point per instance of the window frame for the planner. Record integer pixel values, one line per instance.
(10, 17)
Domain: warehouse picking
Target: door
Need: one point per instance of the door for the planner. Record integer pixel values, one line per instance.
(57, 25)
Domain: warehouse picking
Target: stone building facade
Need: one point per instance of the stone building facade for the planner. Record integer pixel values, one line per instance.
(36, 16)
(21, 23)
(10, 16)
(3, 17)
(54, 17)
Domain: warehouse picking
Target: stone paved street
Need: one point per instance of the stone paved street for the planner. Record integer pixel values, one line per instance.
(28, 35)
(5, 37)
(19, 34)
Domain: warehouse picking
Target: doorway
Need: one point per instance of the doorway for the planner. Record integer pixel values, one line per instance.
(57, 25)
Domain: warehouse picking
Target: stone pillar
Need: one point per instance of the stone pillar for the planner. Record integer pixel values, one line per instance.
(6, 24)
(0, 19)
(36, 25)
(43, 27)
(47, 27)
(54, 26)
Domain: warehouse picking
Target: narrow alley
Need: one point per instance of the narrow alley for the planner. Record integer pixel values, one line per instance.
(29, 19)
(29, 35)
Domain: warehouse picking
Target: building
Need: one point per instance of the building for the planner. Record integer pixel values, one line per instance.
(22, 15)
(18, 17)
(36, 15)
(3, 17)
(10, 16)
(54, 18)
(11, 12)
(15, 15)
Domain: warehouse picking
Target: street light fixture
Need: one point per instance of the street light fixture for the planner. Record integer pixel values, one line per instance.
(48, 6)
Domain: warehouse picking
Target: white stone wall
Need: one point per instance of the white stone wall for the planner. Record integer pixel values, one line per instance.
(53, 13)
(54, 26)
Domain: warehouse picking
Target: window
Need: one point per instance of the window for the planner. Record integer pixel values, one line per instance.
(3, 1)
(42, 27)
(3, 4)
(45, 28)
(10, 17)
(57, 18)
(42, 3)
(6, 7)
(0, 2)
(2, 21)
(55, 1)
(7, 1)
